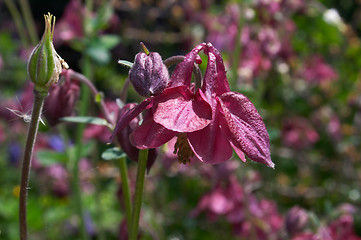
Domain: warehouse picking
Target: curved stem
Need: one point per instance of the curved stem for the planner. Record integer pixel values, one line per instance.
(125, 189)
(196, 71)
(26, 167)
(81, 78)
(142, 166)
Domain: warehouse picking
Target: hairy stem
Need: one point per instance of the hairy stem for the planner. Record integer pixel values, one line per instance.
(139, 185)
(26, 167)
(125, 189)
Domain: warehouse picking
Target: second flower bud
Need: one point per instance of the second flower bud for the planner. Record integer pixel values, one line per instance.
(149, 75)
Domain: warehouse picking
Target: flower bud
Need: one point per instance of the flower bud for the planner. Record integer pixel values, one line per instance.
(61, 100)
(148, 75)
(44, 65)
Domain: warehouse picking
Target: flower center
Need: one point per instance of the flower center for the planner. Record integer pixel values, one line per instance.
(182, 149)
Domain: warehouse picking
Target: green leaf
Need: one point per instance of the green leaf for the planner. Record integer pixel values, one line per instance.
(98, 54)
(109, 41)
(113, 154)
(48, 157)
(125, 63)
(91, 120)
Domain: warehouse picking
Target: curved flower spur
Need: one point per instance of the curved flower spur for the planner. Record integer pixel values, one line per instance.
(209, 121)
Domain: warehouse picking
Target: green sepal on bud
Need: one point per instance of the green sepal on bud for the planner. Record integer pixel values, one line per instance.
(45, 65)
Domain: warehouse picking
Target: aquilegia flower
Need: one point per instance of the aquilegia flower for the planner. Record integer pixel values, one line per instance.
(208, 122)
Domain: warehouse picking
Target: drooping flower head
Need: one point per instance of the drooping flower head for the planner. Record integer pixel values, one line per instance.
(210, 120)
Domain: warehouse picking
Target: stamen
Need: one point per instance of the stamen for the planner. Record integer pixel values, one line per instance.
(182, 149)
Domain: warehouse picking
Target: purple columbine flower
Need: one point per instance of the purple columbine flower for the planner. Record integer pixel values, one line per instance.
(208, 122)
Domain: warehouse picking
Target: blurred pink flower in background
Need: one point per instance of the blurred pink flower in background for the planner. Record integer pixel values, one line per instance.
(317, 71)
(56, 178)
(298, 133)
(70, 25)
(343, 228)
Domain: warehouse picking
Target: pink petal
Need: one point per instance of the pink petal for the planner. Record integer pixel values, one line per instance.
(179, 110)
(245, 128)
(150, 135)
(215, 80)
(222, 85)
(210, 144)
(182, 74)
(129, 115)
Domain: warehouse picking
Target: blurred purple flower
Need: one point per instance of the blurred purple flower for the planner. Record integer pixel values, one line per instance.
(14, 151)
(56, 179)
(296, 220)
(57, 143)
(298, 133)
(61, 100)
(243, 211)
(343, 228)
(316, 71)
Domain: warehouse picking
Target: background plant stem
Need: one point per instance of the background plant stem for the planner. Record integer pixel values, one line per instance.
(84, 100)
(18, 21)
(26, 167)
(29, 21)
(125, 189)
(137, 203)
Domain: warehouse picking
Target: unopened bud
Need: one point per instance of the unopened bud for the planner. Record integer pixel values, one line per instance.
(149, 75)
(44, 65)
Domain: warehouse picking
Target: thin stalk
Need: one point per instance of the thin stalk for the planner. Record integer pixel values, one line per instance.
(137, 203)
(125, 189)
(237, 51)
(18, 21)
(25, 171)
(85, 93)
(29, 21)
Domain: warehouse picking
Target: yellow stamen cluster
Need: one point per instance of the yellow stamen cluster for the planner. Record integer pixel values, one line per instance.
(182, 149)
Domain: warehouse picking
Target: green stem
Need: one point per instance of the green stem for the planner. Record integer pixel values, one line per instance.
(28, 153)
(29, 21)
(142, 166)
(237, 52)
(85, 93)
(125, 189)
(18, 21)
